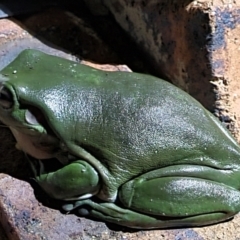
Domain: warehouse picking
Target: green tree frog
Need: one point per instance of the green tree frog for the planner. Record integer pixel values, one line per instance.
(133, 149)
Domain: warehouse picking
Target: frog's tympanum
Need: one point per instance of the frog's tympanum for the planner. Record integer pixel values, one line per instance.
(133, 149)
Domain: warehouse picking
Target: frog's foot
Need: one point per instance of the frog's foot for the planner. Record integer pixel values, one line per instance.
(77, 180)
(109, 185)
(112, 213)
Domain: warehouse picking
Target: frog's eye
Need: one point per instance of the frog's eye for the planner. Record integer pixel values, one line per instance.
(30, 118)
(6, 98)
(33, 115)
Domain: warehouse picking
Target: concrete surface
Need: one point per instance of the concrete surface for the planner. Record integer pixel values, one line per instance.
(28, 214)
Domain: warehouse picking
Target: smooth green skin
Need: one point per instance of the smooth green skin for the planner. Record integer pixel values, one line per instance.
(157, 158)
(77, 178)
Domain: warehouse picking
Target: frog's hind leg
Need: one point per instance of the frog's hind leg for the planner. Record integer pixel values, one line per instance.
(112, 213)
(183, 195)
(174, 196)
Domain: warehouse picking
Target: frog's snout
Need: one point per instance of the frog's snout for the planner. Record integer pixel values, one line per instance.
(6, 98)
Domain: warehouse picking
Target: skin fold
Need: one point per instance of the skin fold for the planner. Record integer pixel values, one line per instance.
(134, 150)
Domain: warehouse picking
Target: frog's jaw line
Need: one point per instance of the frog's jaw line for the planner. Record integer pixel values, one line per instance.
(25, 144)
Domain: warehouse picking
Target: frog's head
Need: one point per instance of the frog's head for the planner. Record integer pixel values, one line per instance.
(36, 95)
(27, 123)
(19, 109)
(38, 102)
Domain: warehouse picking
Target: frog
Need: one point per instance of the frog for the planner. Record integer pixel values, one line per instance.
(133, 149)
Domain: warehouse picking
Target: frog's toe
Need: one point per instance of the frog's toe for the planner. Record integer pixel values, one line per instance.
(82, 207)
(84, 211)
(68, 207)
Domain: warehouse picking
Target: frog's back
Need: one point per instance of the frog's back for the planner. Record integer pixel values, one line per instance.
(144, 122)
(126, 120)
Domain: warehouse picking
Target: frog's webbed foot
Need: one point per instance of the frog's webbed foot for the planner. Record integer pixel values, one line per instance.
(112, 213)
(109, 185)
(77, 180)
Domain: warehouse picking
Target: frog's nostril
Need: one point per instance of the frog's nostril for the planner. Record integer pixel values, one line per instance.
(6, 98)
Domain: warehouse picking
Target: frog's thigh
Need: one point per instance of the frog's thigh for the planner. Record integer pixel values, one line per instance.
(175, 196)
